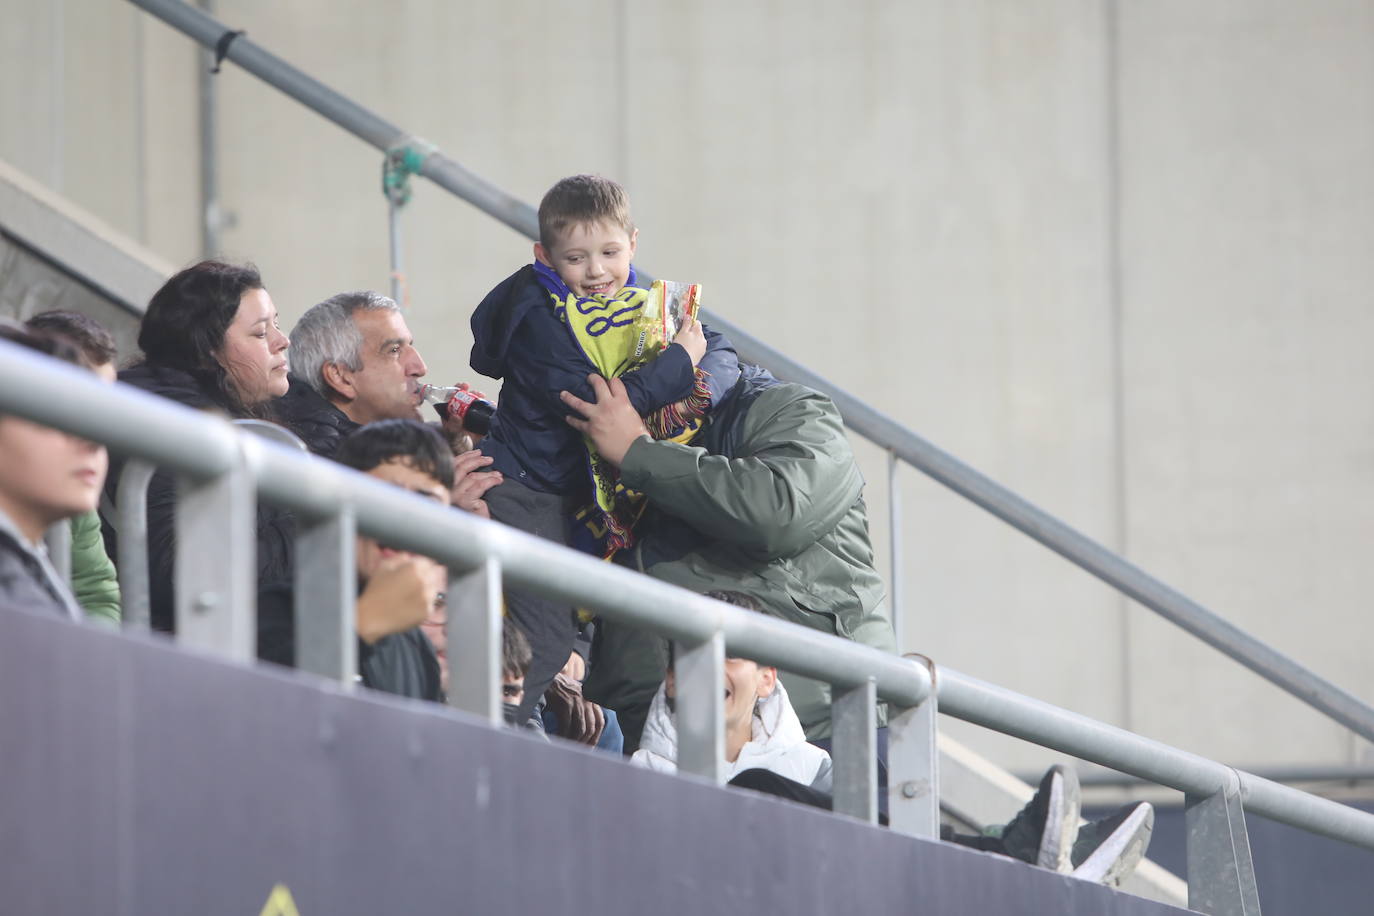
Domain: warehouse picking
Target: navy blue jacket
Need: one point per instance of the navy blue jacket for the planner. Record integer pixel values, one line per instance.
(518, 338)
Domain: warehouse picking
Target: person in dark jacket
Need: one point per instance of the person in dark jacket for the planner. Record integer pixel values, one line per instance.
(583, 256)
(210, 340)
(46, 475)
(354, 361)
(768, 502)
(398, 590)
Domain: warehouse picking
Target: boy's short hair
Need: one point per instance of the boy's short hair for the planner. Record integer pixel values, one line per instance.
(43, 342)
(91, 337)
(515, 651)
(738, 599)
(377, 443)
(582, 199)
(54, 345)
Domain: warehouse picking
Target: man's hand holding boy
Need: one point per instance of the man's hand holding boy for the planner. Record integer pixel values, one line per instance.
(612, 423)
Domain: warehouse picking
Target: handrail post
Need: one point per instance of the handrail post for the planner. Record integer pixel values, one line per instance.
(216, 563)
(1221, 873)
(897, 584)
(325, 594)
(854, 746)
(58, 540)
(699, 676)
(913, 766)
(131, 531)
(473, 632)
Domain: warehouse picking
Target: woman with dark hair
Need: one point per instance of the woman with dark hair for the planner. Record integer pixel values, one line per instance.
(210, 340)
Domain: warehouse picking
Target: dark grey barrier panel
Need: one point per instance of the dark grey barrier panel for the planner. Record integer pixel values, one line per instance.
(139, 778)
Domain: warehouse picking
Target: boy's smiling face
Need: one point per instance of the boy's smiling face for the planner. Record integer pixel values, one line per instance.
(592, 258)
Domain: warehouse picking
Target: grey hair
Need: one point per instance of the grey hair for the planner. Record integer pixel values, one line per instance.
(326, 333)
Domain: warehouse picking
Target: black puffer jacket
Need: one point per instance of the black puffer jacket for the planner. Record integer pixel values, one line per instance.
(275, 526)
(319, 423)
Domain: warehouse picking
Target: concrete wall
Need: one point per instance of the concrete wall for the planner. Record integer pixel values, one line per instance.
(1112, 254)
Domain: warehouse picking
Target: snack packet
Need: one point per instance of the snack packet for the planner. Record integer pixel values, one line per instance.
(669, 307)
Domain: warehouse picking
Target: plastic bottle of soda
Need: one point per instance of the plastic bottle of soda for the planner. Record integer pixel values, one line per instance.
(468, 405)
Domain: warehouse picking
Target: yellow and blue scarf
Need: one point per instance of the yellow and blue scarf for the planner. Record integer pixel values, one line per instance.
(611, 333)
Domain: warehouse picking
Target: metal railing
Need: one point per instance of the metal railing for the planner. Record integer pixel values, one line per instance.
(899, 442)
(222, 471)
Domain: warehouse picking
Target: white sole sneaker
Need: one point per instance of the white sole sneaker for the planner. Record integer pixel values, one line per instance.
(1116, 857)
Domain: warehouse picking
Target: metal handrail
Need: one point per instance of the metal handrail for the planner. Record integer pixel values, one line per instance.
(195, 444)
(1129, 579)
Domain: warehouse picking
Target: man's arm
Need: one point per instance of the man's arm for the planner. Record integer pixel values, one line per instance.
(796, 482)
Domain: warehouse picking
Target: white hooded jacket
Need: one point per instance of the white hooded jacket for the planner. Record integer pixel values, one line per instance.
(778, 744)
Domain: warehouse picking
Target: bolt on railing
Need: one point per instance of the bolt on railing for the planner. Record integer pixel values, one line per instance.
(226, 471)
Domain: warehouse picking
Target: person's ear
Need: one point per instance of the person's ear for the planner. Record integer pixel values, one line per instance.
(768, 681)
(339, 379)
(541, 254)
(634, 241)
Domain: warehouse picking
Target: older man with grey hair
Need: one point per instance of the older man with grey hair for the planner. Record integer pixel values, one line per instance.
(354, 362)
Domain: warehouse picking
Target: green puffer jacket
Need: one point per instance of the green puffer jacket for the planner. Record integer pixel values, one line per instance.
(768, 501)
(93, 575)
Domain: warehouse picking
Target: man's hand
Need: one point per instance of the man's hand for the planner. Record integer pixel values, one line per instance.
(398, 596)
(579, 719)
(469, 484)
(692, 339)
(611, 423)
(460, 438)
(436, 622)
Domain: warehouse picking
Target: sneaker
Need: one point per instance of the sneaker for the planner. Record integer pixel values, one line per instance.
(1107, 851)
(1043, 832)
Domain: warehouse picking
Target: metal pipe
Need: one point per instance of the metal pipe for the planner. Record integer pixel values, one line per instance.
(393, 238)
(1269, 663)
(58, 541)
(131, 530)
(127, 420)
(344, 112)
(316, 488)
(209, 148)
(896, 581)
(993, 707)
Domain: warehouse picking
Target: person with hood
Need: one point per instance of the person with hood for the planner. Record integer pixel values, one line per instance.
(767, 501)
(762, 731)
(766, 751)
(542, 331)
(46, 475)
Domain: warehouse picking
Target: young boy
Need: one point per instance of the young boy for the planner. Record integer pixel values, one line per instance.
(46, 475)
(93, 574)
(534, 331)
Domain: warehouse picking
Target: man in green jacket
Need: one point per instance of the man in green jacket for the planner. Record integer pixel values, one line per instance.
(767, 500)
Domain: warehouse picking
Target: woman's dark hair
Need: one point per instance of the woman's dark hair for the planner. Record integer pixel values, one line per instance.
(186, 320)
(377, 443)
